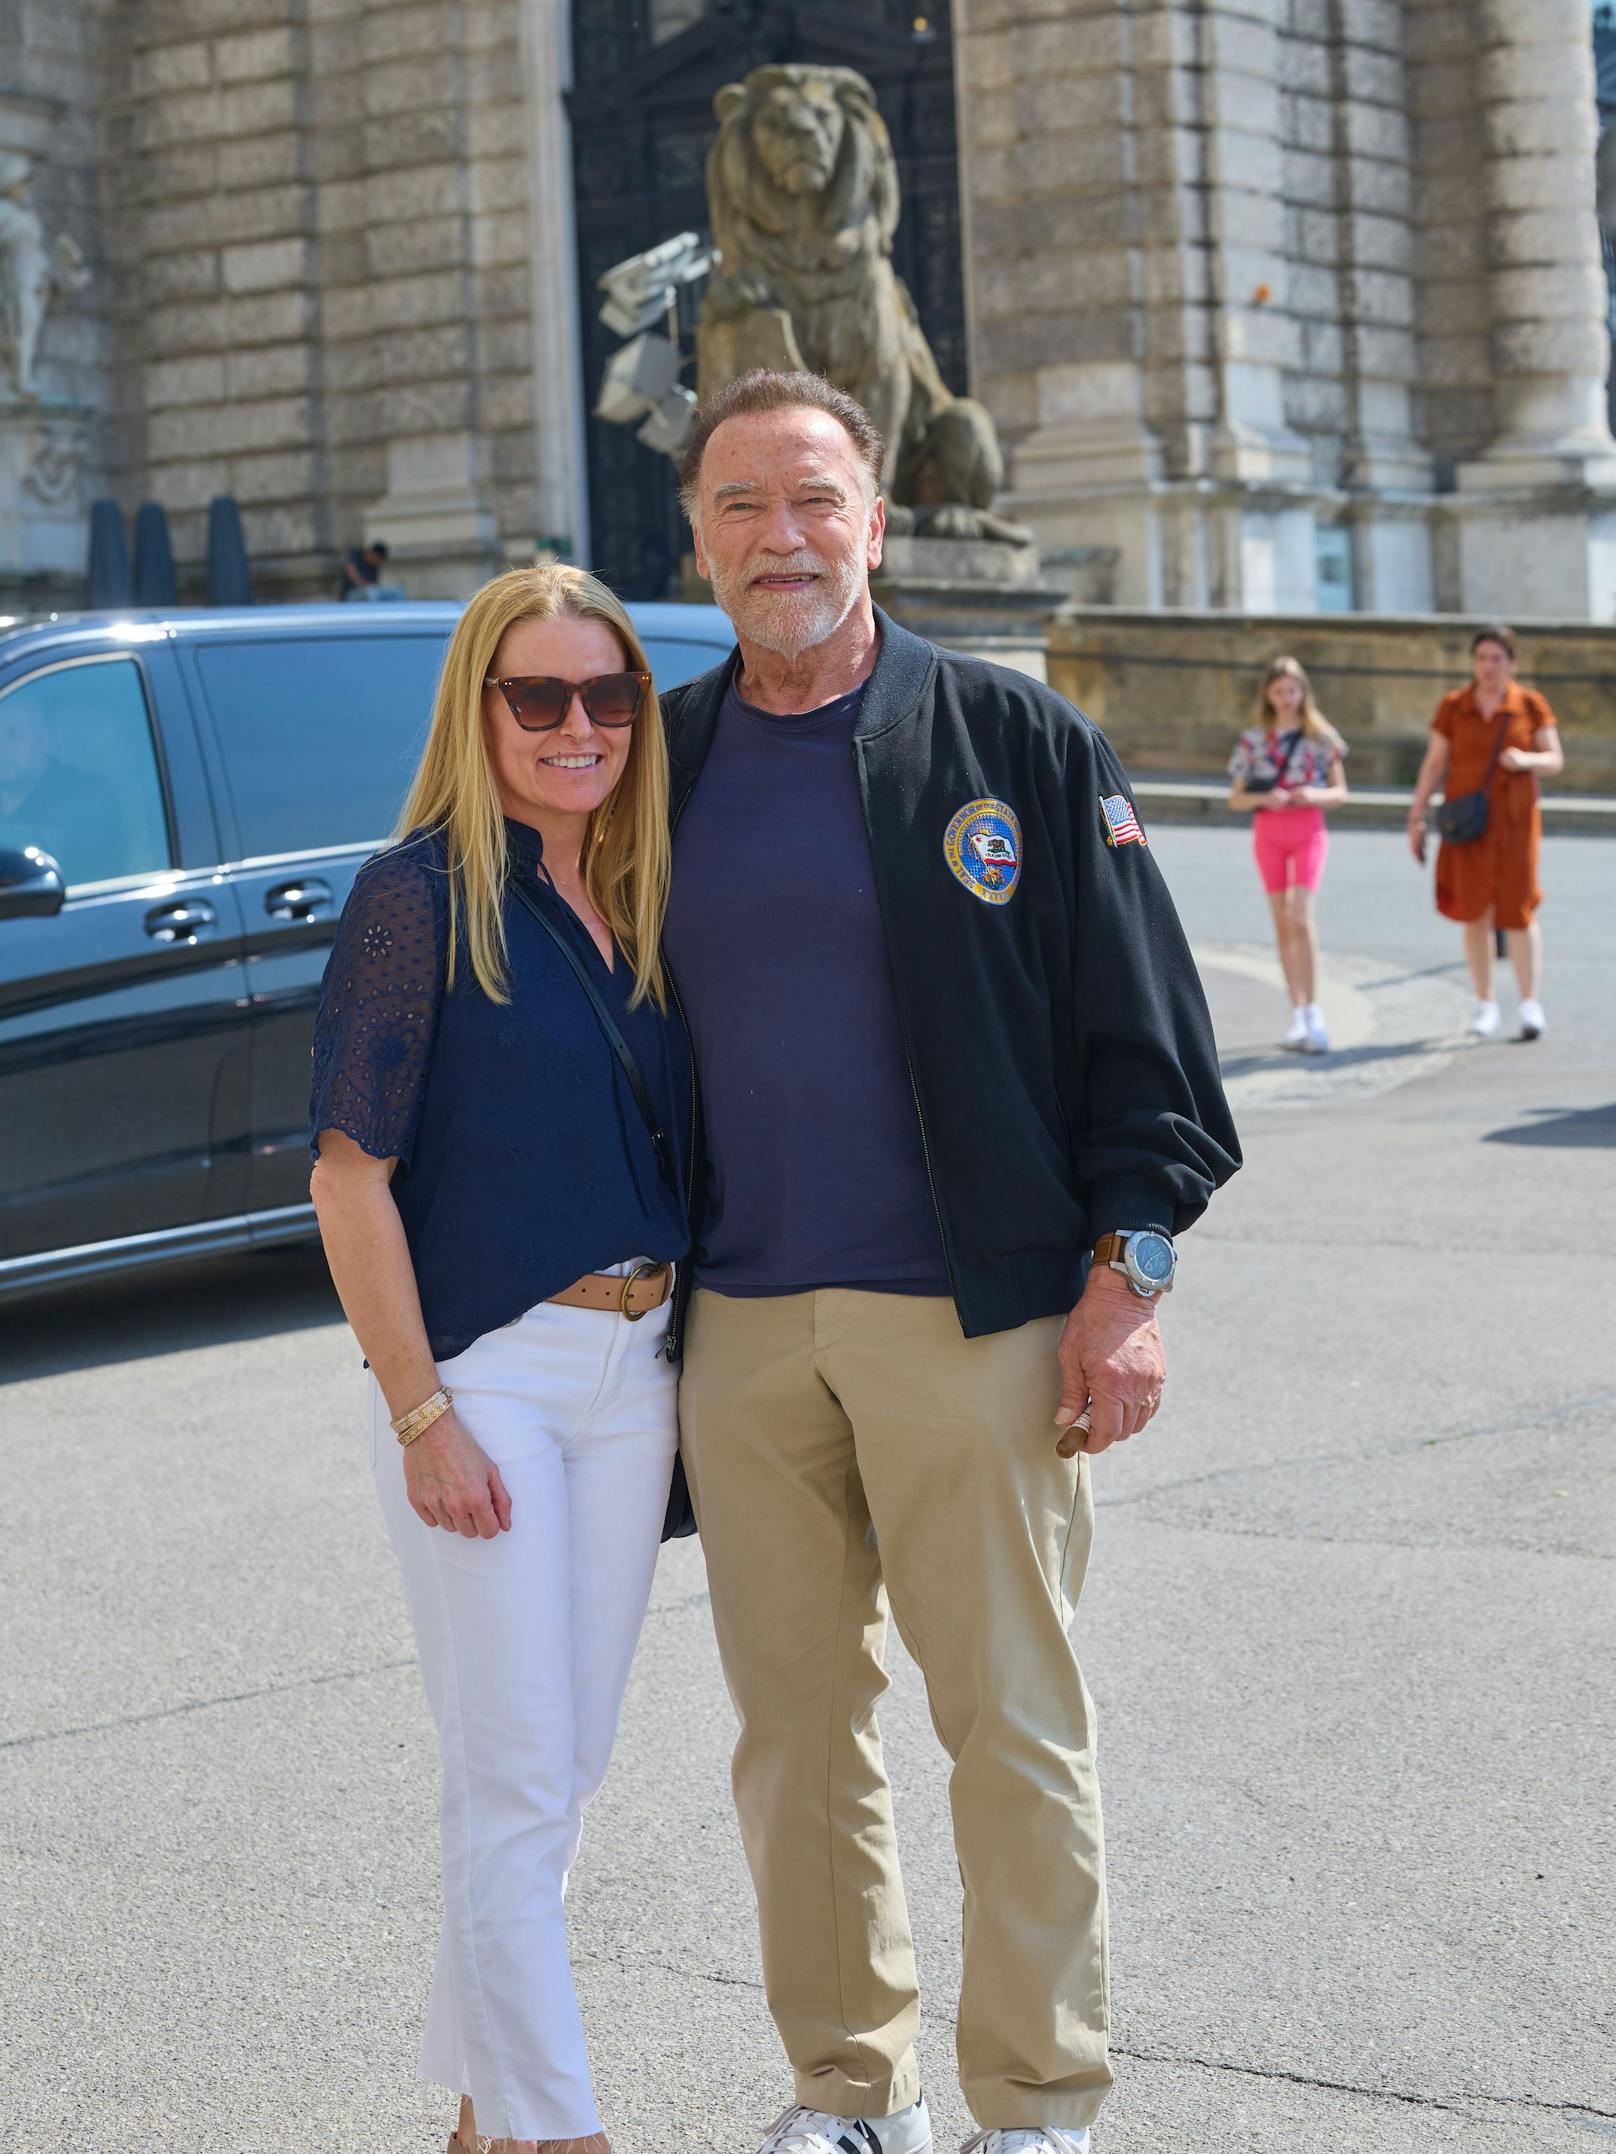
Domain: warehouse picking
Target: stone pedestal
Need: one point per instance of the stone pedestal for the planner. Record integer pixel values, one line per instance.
(441, 537)
(1547, 554)
(45, 452)
(987, 600)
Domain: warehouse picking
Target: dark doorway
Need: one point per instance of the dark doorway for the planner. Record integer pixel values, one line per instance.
(642, 122)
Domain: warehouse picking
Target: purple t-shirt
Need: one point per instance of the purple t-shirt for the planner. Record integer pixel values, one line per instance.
(816, 1170)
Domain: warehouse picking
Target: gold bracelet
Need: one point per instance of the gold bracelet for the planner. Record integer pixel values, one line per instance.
(408, 1426)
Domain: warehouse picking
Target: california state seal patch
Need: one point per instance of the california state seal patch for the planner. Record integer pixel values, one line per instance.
(982, 846)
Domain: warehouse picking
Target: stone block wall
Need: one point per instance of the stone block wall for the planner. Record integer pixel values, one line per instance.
(1173, 690)
(1453, 322)
(1260, 285)
(318, 217)
(1350, 278)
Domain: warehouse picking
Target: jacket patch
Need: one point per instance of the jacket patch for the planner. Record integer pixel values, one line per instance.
(1121, 823)
(982, 846)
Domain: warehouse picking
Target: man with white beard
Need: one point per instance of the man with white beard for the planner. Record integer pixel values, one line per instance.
(959, 1091)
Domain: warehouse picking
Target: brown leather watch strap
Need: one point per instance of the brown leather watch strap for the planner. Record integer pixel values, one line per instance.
(1109, 1248)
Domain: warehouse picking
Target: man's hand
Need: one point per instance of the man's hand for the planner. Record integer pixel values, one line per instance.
(1111, 1362)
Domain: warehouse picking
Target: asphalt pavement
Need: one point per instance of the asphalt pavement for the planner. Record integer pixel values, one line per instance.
(1350, 1624)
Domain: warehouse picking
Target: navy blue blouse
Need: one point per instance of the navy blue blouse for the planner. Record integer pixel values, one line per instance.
(523, 1161)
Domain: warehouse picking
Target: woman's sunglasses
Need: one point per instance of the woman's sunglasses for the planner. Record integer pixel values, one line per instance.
(538, 702)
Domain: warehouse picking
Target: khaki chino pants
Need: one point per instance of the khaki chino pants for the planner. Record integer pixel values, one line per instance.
(844, 1449)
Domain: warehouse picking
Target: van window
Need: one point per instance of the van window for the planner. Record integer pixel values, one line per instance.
(320, 735)
(673, 662)
(79, 775)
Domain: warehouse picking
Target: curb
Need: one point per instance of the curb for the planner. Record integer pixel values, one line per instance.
(1182, 800)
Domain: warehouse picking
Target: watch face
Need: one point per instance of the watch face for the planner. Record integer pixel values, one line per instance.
(1153, 1257)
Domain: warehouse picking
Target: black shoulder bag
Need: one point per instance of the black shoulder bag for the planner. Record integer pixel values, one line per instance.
(681, 1518)
(1462, 820)
(1282, 763)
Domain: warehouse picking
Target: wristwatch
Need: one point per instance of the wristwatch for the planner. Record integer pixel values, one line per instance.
(1146, 1259)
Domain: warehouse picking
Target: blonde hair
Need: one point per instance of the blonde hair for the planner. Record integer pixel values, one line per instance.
(626, 853)
(1314, 723)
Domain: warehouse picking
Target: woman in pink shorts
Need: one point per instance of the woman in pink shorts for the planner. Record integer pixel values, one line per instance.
(1287, 770)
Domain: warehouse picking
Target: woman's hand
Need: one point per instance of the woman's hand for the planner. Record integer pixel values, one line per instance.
(1281, 797)
(1304, 796)
(1516, 759)
(452, 1482)
(1416, 834)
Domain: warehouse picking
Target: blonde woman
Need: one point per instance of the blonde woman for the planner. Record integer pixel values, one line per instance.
(1287, 770)
(502, 1225)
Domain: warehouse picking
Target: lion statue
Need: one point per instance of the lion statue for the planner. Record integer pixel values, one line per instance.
(802, 190)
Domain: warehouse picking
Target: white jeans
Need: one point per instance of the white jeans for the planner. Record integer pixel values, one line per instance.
(525, 1645)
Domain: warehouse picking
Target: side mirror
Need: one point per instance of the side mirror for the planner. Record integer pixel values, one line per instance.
(30, 883)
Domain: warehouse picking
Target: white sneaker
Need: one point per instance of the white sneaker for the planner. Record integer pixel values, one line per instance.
(1485, 1020)
(1043, 2139)
(1297, 1035)
(1317, 1040)
(1532, 1020)
(816, 2131)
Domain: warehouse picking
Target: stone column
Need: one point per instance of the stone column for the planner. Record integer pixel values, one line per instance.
(1550, 547)
(1550, 345)
(558, 385)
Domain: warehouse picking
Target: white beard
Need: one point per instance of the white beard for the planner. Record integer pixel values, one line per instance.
(790, 622)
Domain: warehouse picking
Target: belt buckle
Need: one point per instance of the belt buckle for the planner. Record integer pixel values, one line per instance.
(640, 1271)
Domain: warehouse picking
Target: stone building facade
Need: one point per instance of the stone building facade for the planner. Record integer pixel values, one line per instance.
(1286, 302)
(1279, 304)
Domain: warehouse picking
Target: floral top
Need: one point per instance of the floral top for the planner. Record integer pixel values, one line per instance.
(1260, 750)
(523, 1161)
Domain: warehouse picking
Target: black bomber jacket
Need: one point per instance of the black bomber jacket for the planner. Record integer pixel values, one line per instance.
(1064, 1068)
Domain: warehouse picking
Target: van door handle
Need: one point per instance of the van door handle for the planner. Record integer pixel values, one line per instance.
(185, 922)
(305, 900)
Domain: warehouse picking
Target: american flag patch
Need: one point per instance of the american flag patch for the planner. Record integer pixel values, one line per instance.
(1121, 823)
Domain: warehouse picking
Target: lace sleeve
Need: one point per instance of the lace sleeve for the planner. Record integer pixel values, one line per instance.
(379, 1007)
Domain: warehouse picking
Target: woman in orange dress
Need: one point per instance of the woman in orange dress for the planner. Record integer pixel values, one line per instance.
(1491, 882)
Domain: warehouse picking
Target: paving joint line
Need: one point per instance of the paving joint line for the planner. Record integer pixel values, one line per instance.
(203, 1705)
(1545, 1418)
(264, 1690)
(1449, 2102)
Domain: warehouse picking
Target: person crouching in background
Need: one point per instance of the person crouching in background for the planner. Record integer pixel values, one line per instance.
(1287, 770)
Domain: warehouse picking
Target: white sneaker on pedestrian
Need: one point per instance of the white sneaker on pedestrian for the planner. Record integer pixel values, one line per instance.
(1043, 2139)
(1532, 1019)
(1485, 1020)
(1317, 1039)
(816, 2131)
(1297, 1035)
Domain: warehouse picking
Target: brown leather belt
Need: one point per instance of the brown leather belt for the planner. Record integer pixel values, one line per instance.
(632, 1294)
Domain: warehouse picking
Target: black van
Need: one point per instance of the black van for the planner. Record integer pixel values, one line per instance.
(204, 787)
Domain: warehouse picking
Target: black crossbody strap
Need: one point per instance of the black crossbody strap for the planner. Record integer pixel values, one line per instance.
(1498, 747)
(614, 1038)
